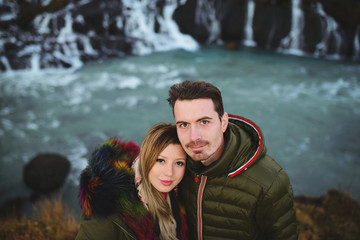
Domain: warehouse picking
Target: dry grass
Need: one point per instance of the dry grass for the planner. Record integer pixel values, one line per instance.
(52, 220)
(335, 216)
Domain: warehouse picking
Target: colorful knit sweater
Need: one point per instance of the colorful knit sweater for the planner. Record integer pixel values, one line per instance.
(108, 193)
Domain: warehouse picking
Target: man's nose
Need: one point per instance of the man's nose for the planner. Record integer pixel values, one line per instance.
(194, 133)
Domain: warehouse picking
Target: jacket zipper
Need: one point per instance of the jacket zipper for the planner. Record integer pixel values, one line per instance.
(199, 205)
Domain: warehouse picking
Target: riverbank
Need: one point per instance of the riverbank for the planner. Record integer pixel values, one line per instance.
(334, 216)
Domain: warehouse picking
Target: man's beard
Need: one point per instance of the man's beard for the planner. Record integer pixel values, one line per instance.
(197, 155)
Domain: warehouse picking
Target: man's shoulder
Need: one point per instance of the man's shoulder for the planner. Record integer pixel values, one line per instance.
(264, 171)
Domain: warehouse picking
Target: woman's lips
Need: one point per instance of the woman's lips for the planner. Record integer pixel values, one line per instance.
(166, 182)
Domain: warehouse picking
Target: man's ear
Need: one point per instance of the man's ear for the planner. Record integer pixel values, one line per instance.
(224, 121)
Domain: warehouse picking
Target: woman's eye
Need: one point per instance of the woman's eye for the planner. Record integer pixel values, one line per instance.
(180, 163)
(160, 160)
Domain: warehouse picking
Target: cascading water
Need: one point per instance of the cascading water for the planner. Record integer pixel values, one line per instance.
(249, 41)
(206, 15)
(63, 38)
(330, 28)
(148, 29)
(357, 45)
(6, 63)
(67, 40)
(140, 24)
(291, 43)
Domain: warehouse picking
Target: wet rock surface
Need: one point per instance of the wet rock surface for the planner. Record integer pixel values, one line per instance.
(68, 33)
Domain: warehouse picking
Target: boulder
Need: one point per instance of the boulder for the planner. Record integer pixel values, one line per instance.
(46, 172)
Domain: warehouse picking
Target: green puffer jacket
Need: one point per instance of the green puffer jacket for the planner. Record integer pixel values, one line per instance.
(245, 195)
(111, 227)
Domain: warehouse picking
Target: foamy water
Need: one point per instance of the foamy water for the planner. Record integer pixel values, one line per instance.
(309, 111)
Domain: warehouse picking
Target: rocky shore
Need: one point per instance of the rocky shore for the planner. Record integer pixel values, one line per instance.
(334, 216)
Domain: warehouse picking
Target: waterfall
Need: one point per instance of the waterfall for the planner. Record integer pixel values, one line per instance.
(6, 63)
(331, 29)
(35, 62)
(249, 41)
(291, 43)
(206, 14)
(67, 40)
(144, 26)
(41, 23)
(140, 25)
(357, 44)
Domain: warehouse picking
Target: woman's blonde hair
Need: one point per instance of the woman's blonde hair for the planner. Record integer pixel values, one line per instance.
(155, 141)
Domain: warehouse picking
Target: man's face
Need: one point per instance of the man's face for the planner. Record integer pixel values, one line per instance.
(199, 129)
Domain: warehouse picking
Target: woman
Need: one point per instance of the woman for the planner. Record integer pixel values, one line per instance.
(115, 207)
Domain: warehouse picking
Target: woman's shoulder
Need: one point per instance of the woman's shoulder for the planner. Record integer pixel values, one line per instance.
(110, 227)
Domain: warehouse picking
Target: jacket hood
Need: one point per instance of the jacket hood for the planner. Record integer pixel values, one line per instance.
(107, 183)
(244, 144)
(251, 145)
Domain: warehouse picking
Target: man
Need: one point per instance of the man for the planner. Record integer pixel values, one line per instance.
(232, 189)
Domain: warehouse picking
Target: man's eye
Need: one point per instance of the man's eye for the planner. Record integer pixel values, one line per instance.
(203, 122)
(183, 125)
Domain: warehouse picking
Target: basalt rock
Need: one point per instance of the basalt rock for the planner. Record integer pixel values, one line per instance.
(272, 22)
(68, 33)
(46, 173)
(185, 17)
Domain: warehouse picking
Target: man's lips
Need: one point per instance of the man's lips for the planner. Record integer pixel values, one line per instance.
(197, 146)
(166, 182)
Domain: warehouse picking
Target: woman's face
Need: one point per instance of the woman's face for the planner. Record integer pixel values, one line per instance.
(168, 169)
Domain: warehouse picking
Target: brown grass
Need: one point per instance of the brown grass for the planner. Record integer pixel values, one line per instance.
(335, 216)
(52, 220)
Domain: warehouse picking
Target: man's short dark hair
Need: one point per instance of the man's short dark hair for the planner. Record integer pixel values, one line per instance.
(190, 90)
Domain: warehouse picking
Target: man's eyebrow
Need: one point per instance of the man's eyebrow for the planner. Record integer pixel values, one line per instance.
(204, 118)
(197, 120)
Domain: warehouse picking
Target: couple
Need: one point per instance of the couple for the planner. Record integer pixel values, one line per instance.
(231, 189)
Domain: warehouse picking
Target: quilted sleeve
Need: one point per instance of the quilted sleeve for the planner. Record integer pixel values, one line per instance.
(276, 214)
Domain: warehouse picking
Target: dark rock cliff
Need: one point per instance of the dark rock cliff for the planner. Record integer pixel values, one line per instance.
(67, 33)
